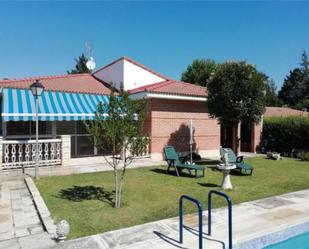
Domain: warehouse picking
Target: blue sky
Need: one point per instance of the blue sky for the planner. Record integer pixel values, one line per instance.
(42, 38)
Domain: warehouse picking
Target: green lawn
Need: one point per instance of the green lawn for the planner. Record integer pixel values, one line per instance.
(149, 194)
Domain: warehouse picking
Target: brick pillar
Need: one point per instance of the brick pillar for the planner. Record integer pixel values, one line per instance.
(66, 149)
(255, 137)
(1, 152)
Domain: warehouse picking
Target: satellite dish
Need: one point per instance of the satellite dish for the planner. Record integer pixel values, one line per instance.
(91, 64)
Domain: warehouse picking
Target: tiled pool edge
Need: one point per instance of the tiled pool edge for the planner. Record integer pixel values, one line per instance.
(274, 238)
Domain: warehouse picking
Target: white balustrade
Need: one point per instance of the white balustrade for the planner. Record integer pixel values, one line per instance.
(21, 153)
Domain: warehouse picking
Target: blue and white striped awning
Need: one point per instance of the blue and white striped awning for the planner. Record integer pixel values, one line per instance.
(19, 105)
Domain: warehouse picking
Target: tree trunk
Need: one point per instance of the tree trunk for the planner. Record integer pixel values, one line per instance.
(119, 193)
(119, 187)
(118, 180)
(238, 139)
(116, 187)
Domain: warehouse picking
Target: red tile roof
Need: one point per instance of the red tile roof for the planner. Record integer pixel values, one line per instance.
(173, 87)
(283, 112)
(75, 83)
(135, 63)
(88, 83)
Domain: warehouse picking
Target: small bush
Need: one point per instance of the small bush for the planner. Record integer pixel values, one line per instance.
(304, 156)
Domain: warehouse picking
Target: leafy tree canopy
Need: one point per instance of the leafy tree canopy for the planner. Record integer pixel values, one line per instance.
(236, 93)
(292, 88)
(199, 72)
(295, 89)
(80, 66)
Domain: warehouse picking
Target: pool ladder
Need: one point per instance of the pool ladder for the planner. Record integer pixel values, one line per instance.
(200, 216)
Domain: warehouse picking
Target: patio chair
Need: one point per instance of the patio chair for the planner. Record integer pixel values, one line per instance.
(173, 160)
(241, 166)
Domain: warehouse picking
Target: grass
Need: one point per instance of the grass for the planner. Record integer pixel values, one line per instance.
(149, 194)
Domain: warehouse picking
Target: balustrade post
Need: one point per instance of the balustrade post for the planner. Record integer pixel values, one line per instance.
(65, 149)
(1, 152)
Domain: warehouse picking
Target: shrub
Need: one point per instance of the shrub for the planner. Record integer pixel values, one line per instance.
(286, 134)
(304, 156)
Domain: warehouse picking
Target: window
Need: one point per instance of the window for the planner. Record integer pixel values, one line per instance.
(65, 127)
(27, 128)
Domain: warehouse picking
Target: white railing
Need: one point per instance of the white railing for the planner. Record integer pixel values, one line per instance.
(21, 153)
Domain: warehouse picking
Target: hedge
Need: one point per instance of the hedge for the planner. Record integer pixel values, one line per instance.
(286, 134)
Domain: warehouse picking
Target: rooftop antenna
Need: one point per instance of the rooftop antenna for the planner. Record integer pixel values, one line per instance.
(90, 63)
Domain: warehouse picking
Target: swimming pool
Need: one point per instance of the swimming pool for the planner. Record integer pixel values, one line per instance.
(297, 242)
(295, 237)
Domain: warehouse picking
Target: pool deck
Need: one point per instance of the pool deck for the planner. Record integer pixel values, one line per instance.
(250, 220)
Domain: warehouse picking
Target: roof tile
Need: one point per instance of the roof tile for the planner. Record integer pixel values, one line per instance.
(173, 87)
(75, 83)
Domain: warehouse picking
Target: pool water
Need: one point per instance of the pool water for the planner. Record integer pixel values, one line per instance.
(298, 242)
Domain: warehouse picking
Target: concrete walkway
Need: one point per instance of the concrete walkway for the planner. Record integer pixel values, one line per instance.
(250, 220)
(20, 226)
(78, 166)
(89, 165)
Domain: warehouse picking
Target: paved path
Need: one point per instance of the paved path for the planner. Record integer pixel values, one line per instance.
(20, 226)
(250, 220)
(78, 166)
(89, 165)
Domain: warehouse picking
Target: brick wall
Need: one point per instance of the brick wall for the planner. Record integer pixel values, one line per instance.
(168, 122)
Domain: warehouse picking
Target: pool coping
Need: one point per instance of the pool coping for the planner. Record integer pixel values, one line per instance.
(274, 238)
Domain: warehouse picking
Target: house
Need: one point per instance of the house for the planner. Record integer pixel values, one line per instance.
(172, 105)
(70, 99)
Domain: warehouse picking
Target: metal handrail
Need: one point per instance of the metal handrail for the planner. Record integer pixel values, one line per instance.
(229, 201)
(200, 218)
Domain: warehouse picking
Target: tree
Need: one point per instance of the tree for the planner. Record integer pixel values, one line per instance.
(119, 126)
(305, 68)
(292, 89)
(236, 94)
(199, 72)
(303, 105)
(271, 97)
(80, 66)
(305, 64)
(295, 88)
